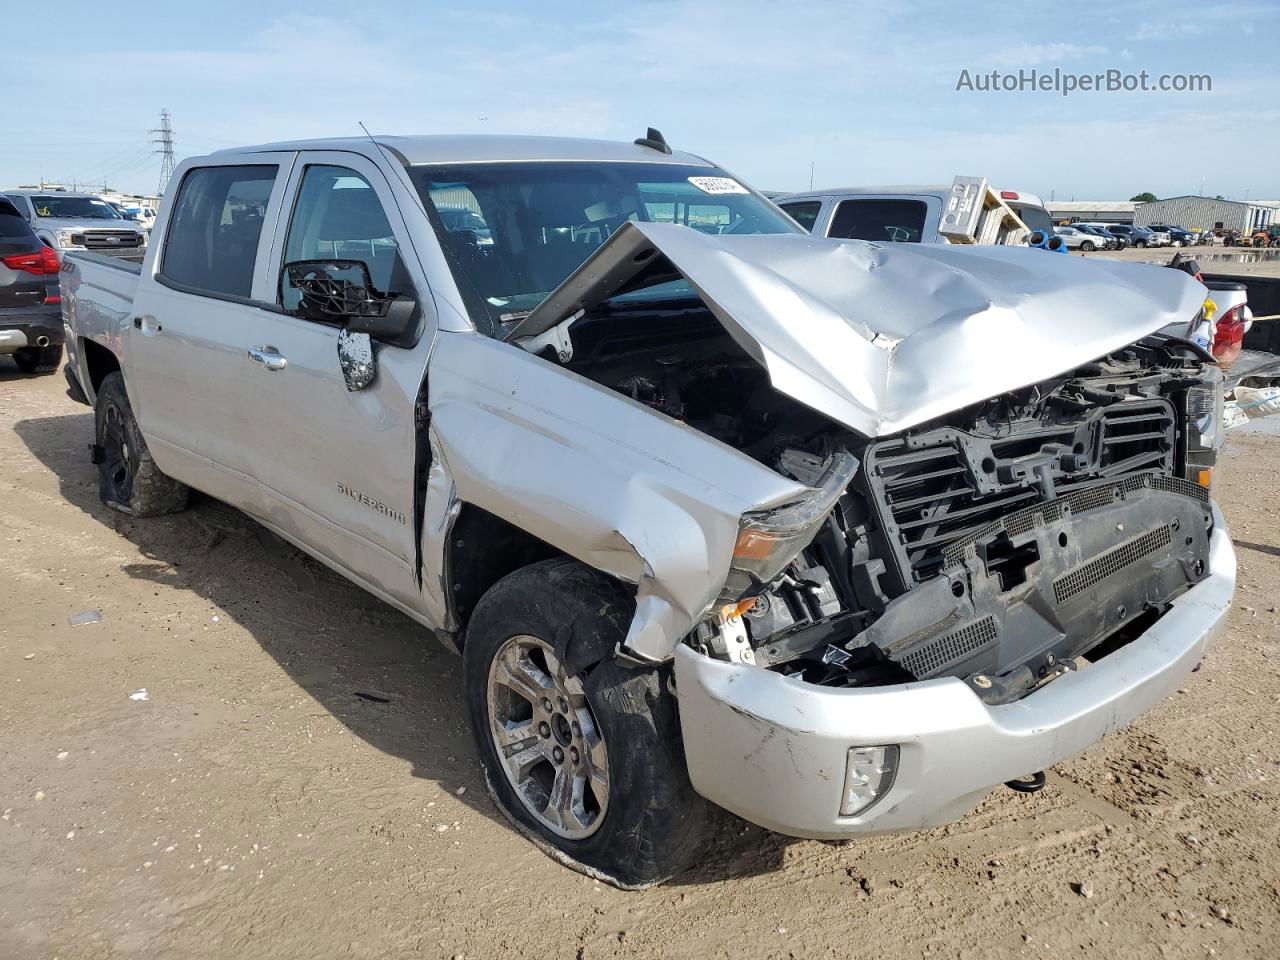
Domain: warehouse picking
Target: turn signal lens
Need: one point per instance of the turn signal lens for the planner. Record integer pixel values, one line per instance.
(1204, 477)
(868, 775)
(754, 544)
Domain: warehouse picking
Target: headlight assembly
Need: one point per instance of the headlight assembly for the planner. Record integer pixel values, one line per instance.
(768, 540)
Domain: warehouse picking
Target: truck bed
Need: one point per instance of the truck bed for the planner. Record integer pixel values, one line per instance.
(97, 302)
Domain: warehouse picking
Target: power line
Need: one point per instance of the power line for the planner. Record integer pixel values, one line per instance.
(165, 143)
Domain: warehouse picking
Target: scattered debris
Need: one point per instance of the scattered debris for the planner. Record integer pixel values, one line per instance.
(88, 616)
(1084, 888)
(441, 827)
(460, 791)
(372, 697)
(63, 755)
(139, 695)
(29, 656)
(39, 795)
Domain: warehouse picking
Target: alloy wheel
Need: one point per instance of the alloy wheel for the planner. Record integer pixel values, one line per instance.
(547, 739)
(117, 457)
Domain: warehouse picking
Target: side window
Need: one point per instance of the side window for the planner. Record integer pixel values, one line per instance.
(338, 216)
(213, 235)
(879, 220)
(805, 213)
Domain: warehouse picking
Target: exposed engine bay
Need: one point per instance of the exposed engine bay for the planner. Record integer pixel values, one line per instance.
(997, 544)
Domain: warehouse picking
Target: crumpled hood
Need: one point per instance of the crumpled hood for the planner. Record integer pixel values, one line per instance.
(884, 337)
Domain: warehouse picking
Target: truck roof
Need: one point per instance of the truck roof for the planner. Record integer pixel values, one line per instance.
(468, 148)
(936, 190)
(854, 191)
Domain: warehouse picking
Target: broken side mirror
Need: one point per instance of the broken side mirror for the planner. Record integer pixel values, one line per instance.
(341, 291)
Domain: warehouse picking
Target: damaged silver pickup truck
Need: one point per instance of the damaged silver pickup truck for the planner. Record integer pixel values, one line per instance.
(836, 536)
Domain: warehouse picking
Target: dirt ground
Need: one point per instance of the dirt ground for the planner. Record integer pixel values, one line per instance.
(299, 781)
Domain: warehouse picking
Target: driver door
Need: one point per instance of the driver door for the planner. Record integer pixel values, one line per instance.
(337, 467)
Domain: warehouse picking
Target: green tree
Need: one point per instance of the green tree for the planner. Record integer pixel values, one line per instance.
(1145, 197)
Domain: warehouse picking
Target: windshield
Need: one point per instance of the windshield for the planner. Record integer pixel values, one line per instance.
(512, 232)
(74, 208)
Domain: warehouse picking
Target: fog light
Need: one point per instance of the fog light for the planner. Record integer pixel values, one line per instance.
(868, 775)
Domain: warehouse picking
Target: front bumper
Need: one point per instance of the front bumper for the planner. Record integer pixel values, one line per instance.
(773, 750)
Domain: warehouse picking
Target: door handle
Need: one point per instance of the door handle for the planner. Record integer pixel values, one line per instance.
(147, 324)
(269, 357)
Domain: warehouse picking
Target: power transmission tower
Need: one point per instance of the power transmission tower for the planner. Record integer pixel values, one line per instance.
(164, 143)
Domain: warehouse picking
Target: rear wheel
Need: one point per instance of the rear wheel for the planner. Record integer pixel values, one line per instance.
(128, 479)
(39, 359)
(582, 753)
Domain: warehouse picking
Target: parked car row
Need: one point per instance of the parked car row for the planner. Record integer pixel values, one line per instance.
(1117, 236)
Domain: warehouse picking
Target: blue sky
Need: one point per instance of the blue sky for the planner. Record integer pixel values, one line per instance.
(866, 91)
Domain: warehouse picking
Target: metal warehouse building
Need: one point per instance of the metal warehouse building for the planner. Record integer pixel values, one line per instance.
(1206, 213)
(1091, 211)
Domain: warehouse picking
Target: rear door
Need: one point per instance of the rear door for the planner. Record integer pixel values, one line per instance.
(203, 301)
(336, 467)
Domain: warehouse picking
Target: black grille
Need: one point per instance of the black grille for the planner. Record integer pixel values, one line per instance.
(108, 239)
(1078, 501)
(1137, 436)
(930, 500)
(1105, 565)
(937, 655)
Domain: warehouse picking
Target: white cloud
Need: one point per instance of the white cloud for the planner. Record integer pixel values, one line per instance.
(1035, 54)
(1167, 29)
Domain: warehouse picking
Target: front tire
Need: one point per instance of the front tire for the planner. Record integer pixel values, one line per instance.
(38, 359)
(582, 753)
(1087, 246)
(128, 479)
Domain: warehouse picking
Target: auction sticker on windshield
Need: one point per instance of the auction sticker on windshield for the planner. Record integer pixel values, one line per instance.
(717, 185)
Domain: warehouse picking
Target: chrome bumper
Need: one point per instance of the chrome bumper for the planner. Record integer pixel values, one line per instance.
(773, 750)
(12, 340)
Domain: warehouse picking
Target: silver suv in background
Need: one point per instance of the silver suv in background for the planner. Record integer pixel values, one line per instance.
(79, 221)
(1078, 239)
